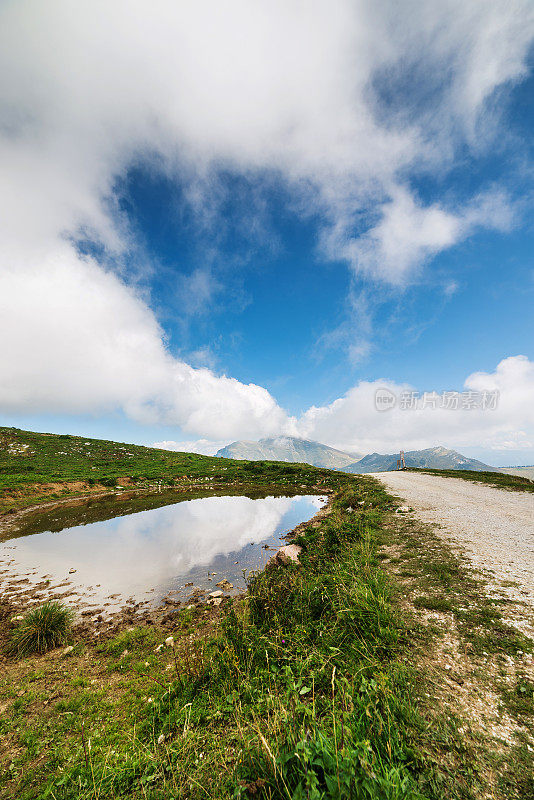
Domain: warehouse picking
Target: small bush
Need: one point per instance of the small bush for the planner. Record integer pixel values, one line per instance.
(41, 629)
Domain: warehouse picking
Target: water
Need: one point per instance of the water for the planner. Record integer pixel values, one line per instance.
(148, 554)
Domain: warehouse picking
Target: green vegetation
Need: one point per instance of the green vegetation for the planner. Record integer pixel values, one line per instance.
(41, 629)
(35, 467)
(308, 688)
(324, 682)
(500, 479)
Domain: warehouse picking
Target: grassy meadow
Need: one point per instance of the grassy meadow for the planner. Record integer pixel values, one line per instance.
(325, 681)
(40, 467)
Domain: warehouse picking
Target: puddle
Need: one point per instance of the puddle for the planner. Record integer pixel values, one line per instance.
(148, 555)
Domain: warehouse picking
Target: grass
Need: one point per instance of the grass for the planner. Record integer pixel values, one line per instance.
(305, 689)
(41, 629)
(37, 467)
(500, 479)
(316, 685)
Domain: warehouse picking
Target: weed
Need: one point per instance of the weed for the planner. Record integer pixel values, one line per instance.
(41, 629)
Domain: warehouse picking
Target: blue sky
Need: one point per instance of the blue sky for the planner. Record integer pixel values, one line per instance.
(275, 304)
(185, 214)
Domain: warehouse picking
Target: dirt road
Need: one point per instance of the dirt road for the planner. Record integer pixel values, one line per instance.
(494, 527)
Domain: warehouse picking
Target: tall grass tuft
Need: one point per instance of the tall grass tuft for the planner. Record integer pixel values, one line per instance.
(41, 629)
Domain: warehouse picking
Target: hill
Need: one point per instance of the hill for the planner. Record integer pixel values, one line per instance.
(43, 466)
(432, 457)
(288, 448)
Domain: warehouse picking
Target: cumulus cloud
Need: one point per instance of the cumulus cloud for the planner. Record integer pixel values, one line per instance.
(272, 88)
(354, 424)
(263, 86)
(352, 421)
(80, 341)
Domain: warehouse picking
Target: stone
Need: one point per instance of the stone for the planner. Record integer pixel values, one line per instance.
(215, 601)
(169, 641)
(225, 584)
(288, 554)
(218, 593)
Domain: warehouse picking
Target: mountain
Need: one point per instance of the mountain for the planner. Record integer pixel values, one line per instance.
(288, 448)
(432, 458)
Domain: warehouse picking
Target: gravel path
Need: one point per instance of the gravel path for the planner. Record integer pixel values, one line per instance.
(494, 527)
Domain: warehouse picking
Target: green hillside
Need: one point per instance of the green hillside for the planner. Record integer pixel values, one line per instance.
(37, 466)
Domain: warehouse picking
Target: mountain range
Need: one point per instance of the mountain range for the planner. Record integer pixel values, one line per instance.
(289, 448)
(431, 458)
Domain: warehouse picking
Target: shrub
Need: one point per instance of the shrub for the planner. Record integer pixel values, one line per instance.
(41, 629)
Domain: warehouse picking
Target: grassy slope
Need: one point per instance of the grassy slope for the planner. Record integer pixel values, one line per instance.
(39, 466)
(301, 691)
(500, 479)
(310, 688)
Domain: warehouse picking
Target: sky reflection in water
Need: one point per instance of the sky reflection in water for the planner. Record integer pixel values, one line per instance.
(149, 553)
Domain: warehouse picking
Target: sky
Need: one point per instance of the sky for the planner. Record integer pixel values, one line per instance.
(235, 220)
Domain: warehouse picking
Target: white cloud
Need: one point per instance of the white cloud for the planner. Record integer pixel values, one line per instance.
(352, 422)
(205, 447)
(409, 234)
(450, 289)
(263, 86)
(80, 341)
(194, 87)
